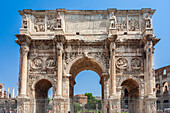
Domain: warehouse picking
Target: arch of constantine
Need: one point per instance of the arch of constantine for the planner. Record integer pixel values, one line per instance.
(55, 45)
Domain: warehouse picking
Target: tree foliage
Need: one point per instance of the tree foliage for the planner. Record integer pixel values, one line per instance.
(92, 102)
(77, 107)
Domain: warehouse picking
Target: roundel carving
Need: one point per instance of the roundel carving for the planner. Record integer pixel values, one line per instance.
(122, 63)
(36, 63)
(136, 63)
(50, 63)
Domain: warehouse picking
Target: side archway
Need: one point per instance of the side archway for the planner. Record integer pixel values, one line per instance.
(41, 88)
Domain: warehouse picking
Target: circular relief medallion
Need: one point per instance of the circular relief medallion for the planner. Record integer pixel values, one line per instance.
(136, 63)
(36, 63)
(50, 63)
(122, 63)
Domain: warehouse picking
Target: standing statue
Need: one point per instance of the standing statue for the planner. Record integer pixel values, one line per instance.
(113, 21)
(147, 21)
(58, 20)
(24, 21)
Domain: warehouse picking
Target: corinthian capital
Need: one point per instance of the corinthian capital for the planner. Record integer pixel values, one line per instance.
(24, 50)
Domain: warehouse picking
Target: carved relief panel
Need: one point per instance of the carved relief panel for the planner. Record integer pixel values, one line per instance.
(37, 63)
(129, 65)
(39, 23)
(133, 23)
(50, 63)
(43, 65)
(51, 22)
(121, 23)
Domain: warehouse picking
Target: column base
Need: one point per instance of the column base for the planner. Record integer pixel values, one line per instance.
(58, 97)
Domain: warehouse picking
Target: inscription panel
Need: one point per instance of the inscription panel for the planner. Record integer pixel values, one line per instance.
(85, 24)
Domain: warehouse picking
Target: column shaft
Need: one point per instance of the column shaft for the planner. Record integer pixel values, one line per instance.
(24, 51)
(59, 92)
(150, 72)
(113, 71)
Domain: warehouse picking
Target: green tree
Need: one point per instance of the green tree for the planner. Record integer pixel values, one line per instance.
(90, 96)
(77, 107)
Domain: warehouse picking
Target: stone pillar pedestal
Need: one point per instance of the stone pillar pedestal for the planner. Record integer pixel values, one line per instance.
(150, 105)
(114, 105)
(105, 106)
(59, 105)
(24, 105)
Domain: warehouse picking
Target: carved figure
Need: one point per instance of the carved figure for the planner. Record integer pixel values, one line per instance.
(51, 23)
(133, 24)
(58, 23)
(121, 23)
(58, 20)
(122, 63)
(24, 21)
(39, 24)
(37, 63)
(136, 63)
(147, 21)
(50, 63)
(113, 21)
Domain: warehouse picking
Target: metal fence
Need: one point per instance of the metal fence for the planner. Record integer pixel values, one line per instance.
(85, 105)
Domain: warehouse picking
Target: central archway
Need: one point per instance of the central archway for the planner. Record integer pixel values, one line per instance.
(79, 66)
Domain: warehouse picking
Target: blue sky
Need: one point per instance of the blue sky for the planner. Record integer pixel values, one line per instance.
(10, 22)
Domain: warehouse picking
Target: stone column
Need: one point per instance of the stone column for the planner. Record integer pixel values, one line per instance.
(13, 92)
(150, 74)
(24, 52)
(113, 70)
(59, 69)
(2, 92)
(8, 92)
(150, 100)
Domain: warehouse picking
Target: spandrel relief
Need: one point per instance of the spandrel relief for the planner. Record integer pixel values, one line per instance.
(39, 24)
(133, 23)
(121, 24)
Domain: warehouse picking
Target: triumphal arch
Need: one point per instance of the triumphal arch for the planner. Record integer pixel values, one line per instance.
(55, 45)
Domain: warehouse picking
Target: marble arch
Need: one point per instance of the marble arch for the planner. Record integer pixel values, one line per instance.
(117, 44)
